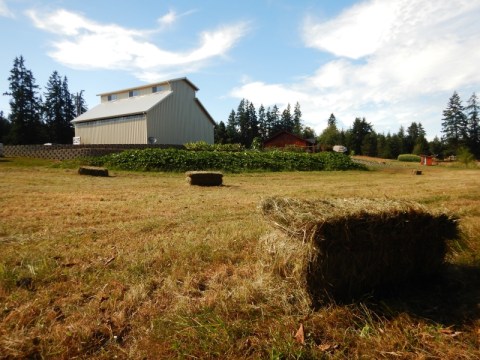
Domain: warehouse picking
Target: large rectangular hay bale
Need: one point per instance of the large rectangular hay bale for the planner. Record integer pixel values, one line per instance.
(204, 178)
(93, 171)
(356, 246)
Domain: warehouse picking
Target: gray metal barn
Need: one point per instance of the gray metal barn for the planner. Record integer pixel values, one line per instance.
(164, 113)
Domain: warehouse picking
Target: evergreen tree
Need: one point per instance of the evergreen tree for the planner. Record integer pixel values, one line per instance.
(402, 144)
(357, 133)
(220, 133)
(252, 122)
(58, 110)
(396, 145)
(369, 144)
(80, 104)
(4, 128)
(332, 120)
(329, 137)
(273, 119)
(436, 147)
(25, 106)
(263, 129)
(287, 120)
(473, 125)
(232, 128)
(454, 123)
(421, 146)
(241, 118)
(384, 146)
(297, 120)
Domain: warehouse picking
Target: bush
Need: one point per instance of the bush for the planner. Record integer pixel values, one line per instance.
(184, 160)
(408, 158)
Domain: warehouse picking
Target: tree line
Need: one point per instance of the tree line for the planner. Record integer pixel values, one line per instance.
(460, 129)
(249, 127)
(37, 120)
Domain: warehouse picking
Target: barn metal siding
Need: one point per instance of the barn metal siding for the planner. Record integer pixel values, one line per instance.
(124, 130)
(178, 119)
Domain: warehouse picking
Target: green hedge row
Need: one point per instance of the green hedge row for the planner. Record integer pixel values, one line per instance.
(184, 160)
(408, 158)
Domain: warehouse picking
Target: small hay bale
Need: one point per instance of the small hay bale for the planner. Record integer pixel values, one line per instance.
(350, 247)
(204, 178)
(417, 172)
(93, 171)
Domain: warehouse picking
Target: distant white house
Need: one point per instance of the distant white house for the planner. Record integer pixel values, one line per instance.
(167, 112)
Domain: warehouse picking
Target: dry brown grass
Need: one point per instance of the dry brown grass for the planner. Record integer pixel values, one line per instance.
(141, 265)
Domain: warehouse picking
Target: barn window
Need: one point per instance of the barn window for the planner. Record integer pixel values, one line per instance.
(132, 93)
(157, 88)
(112, 97)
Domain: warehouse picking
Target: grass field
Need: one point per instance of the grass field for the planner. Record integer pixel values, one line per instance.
(144, 266)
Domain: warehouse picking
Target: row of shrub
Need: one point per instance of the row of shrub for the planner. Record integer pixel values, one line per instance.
(185, 160)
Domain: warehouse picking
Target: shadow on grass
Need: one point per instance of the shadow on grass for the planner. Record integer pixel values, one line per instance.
(452, 297)
(4, 160)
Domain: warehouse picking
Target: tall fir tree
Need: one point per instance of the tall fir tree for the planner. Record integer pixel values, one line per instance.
(297, 120)
(273, 119)
(25, 106)
(80, 103)
(329, 137)
(286, 119)
(473, 125)
(332, 120)
(220, 133)
(454, 123)
(58, 110)
(253, 127)
(232, 128)
(262, 123)
(356, 135)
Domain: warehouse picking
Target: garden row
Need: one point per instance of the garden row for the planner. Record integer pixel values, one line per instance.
(184, 160)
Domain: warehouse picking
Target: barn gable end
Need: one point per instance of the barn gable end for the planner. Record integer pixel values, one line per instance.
(164, 113)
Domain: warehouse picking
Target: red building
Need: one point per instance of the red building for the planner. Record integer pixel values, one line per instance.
(426, 160)
(285, 139)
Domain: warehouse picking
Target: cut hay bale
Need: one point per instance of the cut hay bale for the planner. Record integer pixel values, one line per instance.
(350, 247)
(204, 178)
(93, 171)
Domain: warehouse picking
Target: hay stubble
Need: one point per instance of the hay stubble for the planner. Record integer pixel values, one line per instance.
(141, 263)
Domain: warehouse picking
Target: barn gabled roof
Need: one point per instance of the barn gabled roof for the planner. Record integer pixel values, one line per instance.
(124, 107)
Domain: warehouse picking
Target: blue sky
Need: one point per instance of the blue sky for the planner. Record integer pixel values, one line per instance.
(390, 61)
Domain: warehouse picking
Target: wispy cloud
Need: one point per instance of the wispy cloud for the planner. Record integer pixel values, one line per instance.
(389, 59)
(4, 10)
(85, 44)
(168, 19)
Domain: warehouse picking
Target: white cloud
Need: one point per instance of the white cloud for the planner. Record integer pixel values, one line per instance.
(168, 19)
(393, 62)
(4, 10)
(85, 44)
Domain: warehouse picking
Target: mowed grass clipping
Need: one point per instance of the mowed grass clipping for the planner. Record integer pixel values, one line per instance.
(142, 265)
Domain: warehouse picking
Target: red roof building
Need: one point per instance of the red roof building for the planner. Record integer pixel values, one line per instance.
(285, 139)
